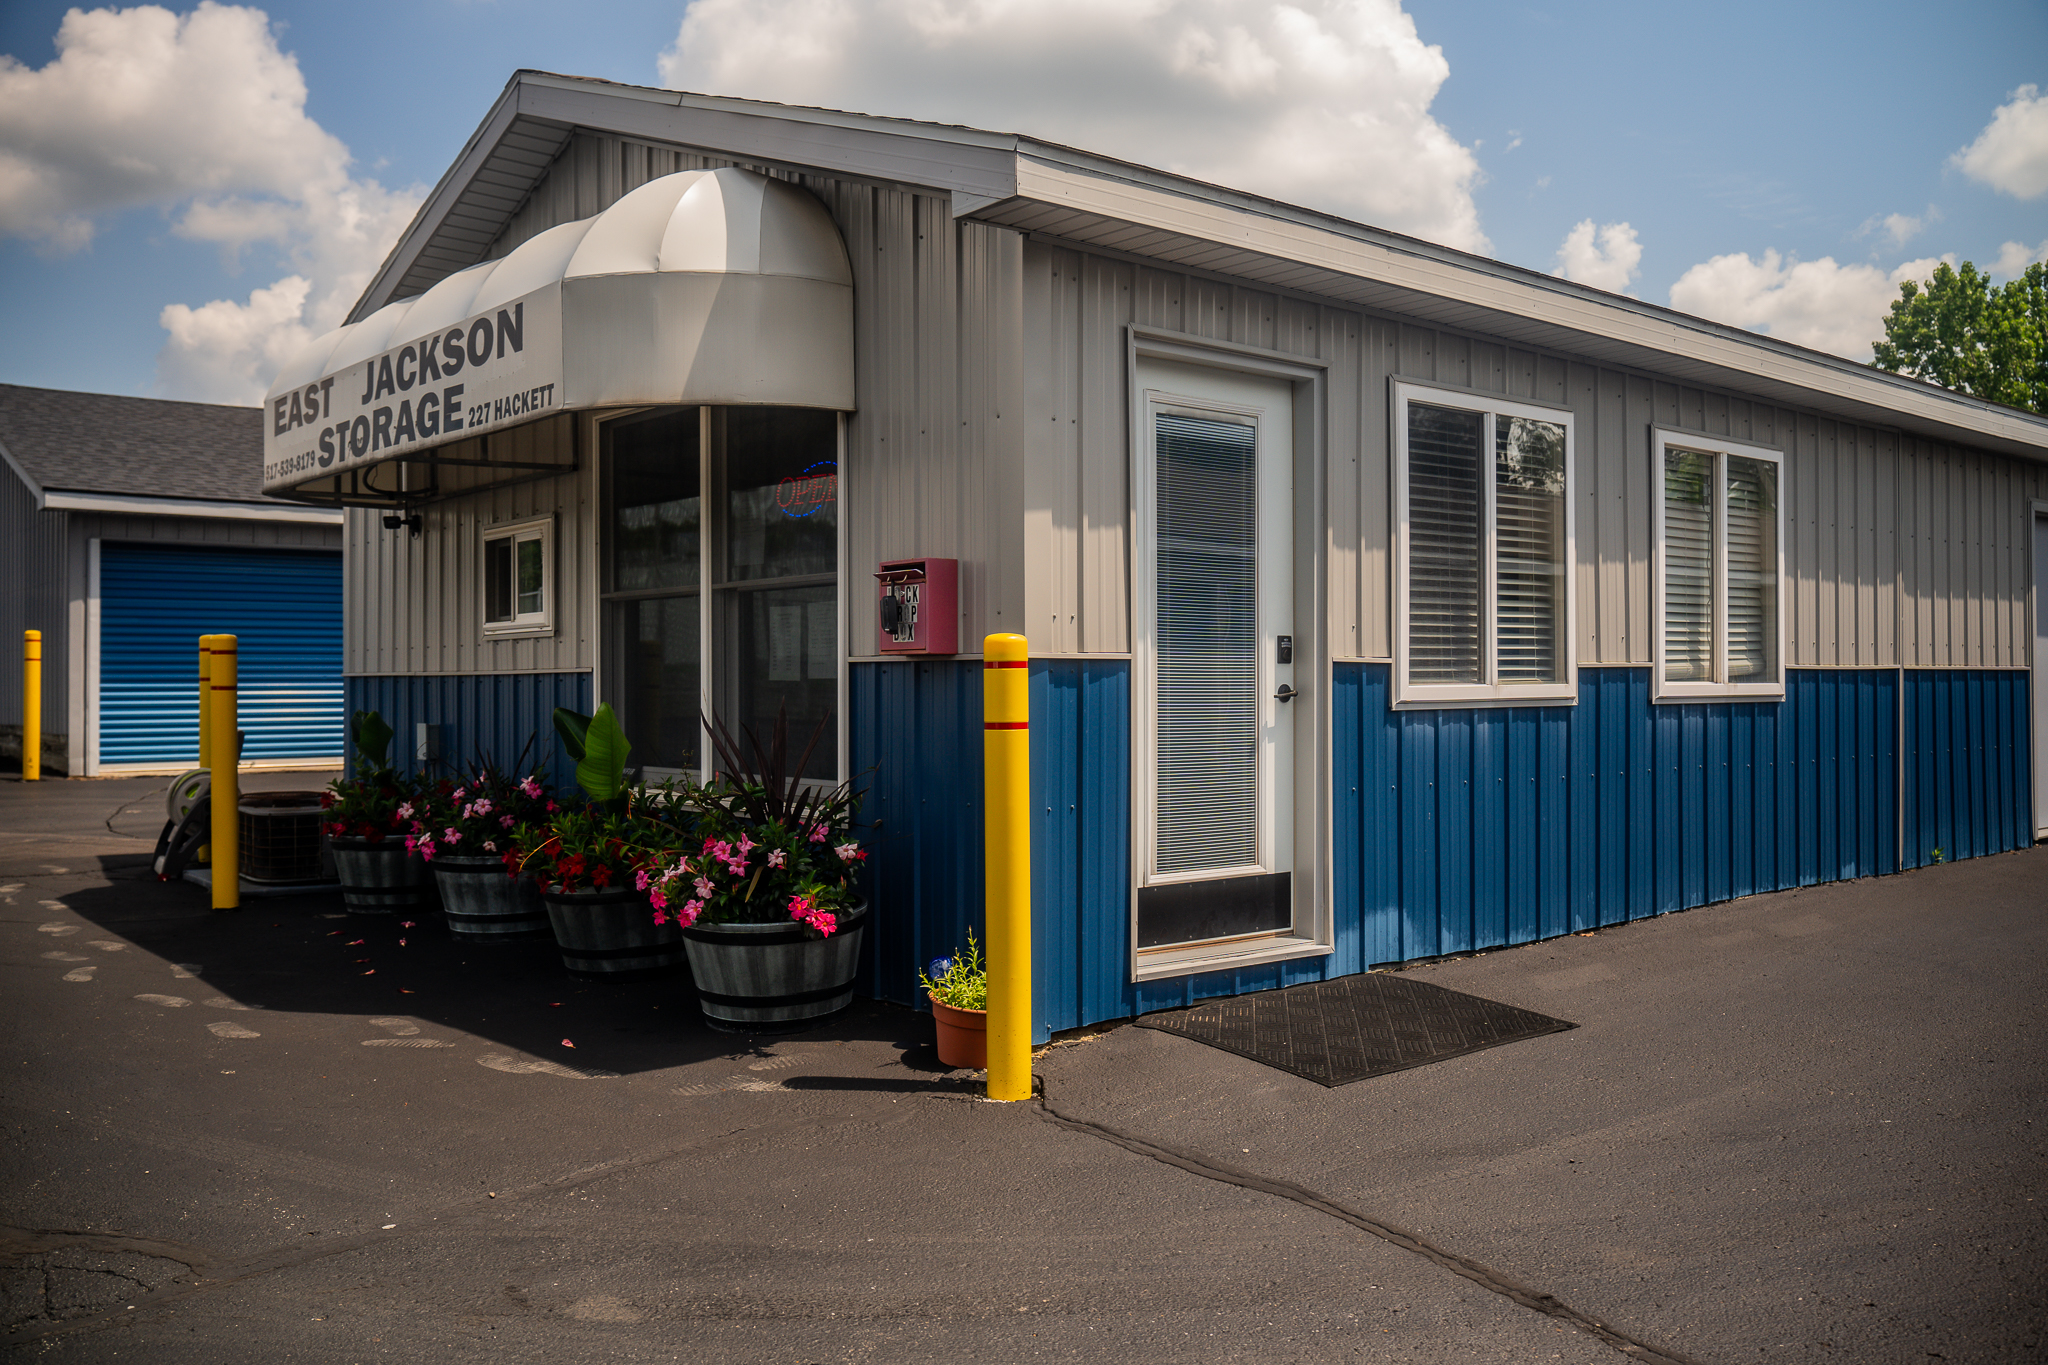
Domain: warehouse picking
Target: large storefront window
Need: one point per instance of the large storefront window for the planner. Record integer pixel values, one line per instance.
(746, 501)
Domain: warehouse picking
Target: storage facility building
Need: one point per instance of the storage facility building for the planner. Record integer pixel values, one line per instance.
(1384, 601)
(129, 527)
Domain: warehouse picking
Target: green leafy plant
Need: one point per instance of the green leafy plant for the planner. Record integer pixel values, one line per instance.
(377, 802)
(371, 734)
(960, 980)
(772, 848)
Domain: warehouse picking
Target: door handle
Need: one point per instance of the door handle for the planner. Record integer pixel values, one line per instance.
(1286, 693)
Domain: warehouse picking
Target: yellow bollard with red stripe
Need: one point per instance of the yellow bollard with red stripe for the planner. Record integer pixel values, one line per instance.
(226, 795)
(31, 706)
(205, 701)
(1006, 759)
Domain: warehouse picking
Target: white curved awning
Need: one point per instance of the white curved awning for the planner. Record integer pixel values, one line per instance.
(700, 287)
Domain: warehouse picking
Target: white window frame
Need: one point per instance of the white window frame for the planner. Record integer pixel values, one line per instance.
(541, 622)
(1411, 695)
(1662, 440)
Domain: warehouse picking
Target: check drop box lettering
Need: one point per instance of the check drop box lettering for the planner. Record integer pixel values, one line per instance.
(919, 604)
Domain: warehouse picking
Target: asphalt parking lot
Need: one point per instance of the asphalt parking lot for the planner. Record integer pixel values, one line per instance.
(1798, 1127)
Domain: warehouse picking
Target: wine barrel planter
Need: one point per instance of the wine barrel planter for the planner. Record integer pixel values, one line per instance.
(379, 878)
(485, 905)
(610, 935)
(773, 974)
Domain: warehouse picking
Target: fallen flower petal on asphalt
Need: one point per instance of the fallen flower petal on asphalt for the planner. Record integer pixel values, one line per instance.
(567, 1043)
(371, 972)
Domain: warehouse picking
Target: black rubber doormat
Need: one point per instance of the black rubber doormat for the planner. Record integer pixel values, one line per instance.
(1337, 1032)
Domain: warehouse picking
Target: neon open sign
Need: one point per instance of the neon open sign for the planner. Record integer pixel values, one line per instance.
(808, 490)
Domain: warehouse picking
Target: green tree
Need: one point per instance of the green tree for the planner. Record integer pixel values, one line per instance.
(1965, 333)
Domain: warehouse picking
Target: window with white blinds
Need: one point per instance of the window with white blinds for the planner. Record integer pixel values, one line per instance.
(1206, 642)
(1716, 569)
(1482, 611)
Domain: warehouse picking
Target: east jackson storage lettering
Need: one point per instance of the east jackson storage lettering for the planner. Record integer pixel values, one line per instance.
(406, 396)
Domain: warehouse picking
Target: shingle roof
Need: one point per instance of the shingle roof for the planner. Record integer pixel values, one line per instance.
(149, 447)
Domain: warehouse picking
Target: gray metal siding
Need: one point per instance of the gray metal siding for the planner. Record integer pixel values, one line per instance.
(938, 336)
(32, 568)
(1899, 551)
(993, 427)
(415, 604)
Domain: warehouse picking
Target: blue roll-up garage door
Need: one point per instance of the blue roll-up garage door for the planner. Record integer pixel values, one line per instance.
(155, 603)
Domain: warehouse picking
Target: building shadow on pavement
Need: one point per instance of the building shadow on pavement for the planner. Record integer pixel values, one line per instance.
(306, 954)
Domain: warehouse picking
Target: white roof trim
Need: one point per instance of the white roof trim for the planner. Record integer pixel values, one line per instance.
(115, 504)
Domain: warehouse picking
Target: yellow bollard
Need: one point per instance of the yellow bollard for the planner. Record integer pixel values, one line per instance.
(1006, 758)
(205, 701)
(227, 793)
(31, 706)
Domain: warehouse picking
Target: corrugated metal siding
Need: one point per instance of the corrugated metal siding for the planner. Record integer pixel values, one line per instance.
(1858, 500)
(416, 603)
(1474, 829)
(1968, 771)
(491, 716)
(283, 605)
(1453, 830)
(32, 569)
(916, 751)
(938, 335)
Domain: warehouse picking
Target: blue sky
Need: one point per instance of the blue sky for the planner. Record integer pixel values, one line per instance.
(1774, 165)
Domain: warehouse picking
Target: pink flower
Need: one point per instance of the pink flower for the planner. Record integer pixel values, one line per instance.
(658, 901)
(405, 811)
(802, 908)
(490, 847)
(819, 834)
(506, 822)
(411, 844)
(777, 858)
(704, 886)
(660, 915)
(480, 806)
(640, 880)
(687, 916)
(531, 788)
(849, 852)
(452, 835)
(747, 844)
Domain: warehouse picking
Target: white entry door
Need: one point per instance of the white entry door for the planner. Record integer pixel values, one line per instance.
(1214, 674)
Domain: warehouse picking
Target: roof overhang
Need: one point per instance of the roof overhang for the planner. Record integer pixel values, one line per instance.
(701, 287)
(1109, 205)
(133, 505)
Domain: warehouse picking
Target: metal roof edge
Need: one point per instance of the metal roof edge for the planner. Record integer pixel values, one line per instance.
(992, 173)
(1056, 177)
(149, 504)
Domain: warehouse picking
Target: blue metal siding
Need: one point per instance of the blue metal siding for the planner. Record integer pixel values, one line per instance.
(916, 749)
(155, 603)
(1453, 830)
(491, 715)
(1967, 764)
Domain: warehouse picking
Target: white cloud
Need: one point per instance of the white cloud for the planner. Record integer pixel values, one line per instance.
(1317, 102)
(1604, 257)
(1829, 307)
(203, 117)
(2015, 257)
(2011, 154)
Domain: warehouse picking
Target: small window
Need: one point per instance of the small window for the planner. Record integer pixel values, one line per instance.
(1483, 606)
(518, 579)
(1717, 568)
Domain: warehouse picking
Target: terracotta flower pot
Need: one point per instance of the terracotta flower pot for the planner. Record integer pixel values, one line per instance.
(963, 1035)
